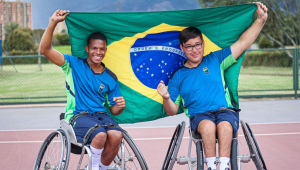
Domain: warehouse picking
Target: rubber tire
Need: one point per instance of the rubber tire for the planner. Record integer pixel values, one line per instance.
(257, 148)
(174, 146)
(253, 147)
(200, 158)
(128, 142)
(234, 154)
(64, 159)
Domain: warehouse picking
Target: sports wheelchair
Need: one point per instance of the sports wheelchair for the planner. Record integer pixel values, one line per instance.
(54, 153)
(198, 163)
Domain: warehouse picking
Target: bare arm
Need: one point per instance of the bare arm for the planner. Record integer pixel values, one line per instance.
(249, 36)
(46, 41)
(119, 107)
(170, 107)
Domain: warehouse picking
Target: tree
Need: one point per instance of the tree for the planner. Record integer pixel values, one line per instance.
(283, 25)
(20, 40)
(10, 27)
(63, 38)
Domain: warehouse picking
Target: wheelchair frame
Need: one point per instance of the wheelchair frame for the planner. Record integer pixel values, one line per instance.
(63, 138)
(235, 157)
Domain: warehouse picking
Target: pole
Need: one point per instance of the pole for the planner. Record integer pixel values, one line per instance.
(1, 54)
(1, 48)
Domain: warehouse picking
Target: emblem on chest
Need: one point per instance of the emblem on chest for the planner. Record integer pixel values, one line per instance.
(206, 71)
(101, 88)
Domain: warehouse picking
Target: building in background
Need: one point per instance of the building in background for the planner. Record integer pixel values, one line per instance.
(60, 27)
(19, 12)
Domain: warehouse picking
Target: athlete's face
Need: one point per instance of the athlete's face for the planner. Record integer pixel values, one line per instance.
(96, 50)
(193, 50)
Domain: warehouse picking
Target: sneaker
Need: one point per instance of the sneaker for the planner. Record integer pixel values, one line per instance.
(211, 169)
(86, 167)
(227, 169)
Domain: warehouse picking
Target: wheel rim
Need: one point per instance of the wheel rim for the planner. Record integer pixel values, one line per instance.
(133, 158)
(53, 153)
(253, 147)
(174, 147)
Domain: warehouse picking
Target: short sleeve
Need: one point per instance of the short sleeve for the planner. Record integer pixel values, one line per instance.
(69, 60)
(113, 92)
(174, 91)
(222, 54)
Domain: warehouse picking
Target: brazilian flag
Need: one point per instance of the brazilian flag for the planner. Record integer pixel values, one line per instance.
(143, 48)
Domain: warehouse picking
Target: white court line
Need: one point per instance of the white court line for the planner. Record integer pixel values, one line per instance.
(163, 138)
(146, 127)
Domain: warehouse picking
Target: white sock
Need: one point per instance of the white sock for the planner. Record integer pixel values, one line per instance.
(102, 167)
(224, 163)
(211, 163)
(96, 156)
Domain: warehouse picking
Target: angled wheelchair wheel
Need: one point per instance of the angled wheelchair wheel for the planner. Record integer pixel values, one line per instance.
(54, 153)
(174, 147)
(200, 158)
(234, 155)
(134, 159)
(253, 147)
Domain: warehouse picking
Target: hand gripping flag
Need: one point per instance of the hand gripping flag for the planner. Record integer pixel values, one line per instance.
(143, 48)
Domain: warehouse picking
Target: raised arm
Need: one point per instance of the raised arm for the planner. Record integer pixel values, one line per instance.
(170, 107)
(46, 41)
(249, 36)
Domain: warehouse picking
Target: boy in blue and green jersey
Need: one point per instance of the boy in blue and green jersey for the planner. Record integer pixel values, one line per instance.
(89, 85)
(199, 85)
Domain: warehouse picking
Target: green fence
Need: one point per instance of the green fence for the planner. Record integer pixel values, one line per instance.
(34, 79)
(270, 73)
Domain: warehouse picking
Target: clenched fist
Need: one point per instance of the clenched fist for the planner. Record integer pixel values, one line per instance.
(120, 101)
(59, 15)
(162, 90)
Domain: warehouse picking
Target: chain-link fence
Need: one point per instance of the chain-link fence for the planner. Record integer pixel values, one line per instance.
(31, 79)
(269, 73)
(34, 79)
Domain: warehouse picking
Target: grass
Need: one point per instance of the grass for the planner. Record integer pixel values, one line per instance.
(66, 49)
(30, 82)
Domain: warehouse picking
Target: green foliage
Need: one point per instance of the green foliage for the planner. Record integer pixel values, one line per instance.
(20, 40)
(63, 38)
(55, 41)
(265, 43)
(26, 60)
(10, 27)
(268, 59)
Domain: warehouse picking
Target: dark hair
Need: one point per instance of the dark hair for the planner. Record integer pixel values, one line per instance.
(189, 33)
(96, 36)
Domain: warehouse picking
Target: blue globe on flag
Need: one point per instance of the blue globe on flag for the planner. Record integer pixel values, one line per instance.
(155, 57)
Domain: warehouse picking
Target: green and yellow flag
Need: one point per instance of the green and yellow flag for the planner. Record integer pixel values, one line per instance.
(143, 48)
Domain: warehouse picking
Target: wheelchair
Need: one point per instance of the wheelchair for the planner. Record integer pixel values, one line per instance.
(54, 154)
(198, 163)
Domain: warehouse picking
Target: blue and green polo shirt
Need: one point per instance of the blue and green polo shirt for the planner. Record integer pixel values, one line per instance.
(202, 88)
(87, 90)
